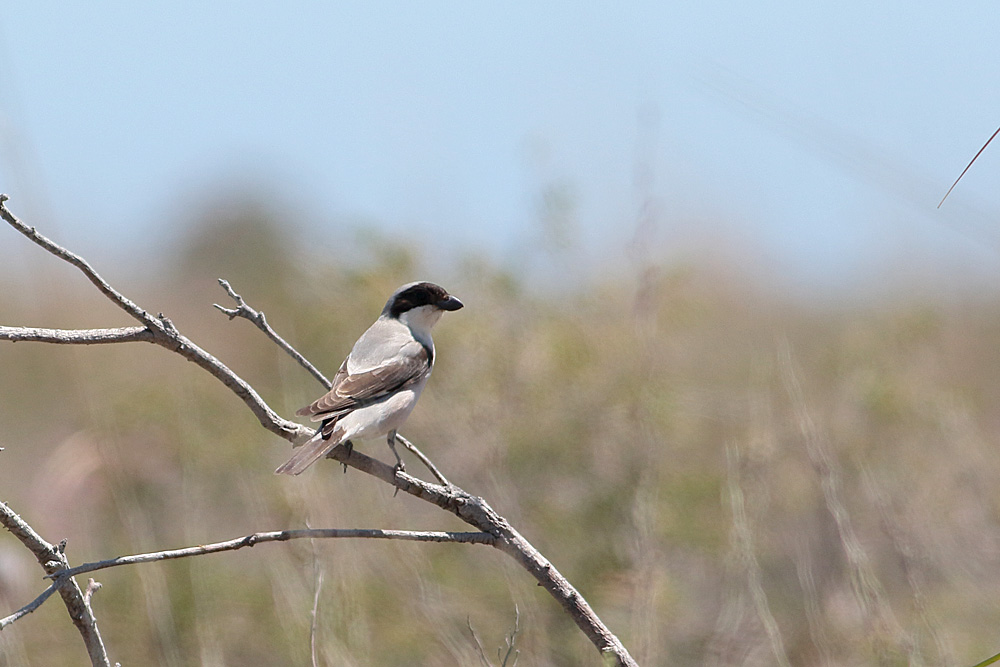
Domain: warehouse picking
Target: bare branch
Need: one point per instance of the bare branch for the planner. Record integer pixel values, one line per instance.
(77, 336)
(30, 607)
(257, 317)
(278, 536)
(116, 297)
(63, 575)
(92, 587)
(53, 561)
(267, 417)
(479, 645)
(163, 333)
(510, 639)
(423, 459)
(471, 509)
(475, 511)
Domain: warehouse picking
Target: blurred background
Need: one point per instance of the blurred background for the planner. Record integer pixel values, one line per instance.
(723, 360)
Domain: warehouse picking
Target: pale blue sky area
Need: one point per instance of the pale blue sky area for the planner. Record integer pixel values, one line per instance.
(819, 135)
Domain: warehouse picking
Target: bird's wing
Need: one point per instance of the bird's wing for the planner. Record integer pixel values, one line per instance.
(351, 390)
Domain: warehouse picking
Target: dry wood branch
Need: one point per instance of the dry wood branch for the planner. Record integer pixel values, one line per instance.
(53, 560)
(257, 317)
(163, 333)
(277, 536)
(423, 459)
(92, 587)
(116, 297)
(472, 509)
(475, 511)
(30, 607)
(77, 336)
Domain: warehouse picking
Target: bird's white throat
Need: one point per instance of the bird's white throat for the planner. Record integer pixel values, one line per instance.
(421, 320)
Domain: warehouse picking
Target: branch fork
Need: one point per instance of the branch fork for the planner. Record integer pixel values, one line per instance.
(493, 529)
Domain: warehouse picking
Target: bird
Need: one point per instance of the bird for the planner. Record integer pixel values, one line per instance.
(379, 383)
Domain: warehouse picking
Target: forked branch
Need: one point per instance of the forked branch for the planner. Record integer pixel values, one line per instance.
(495, 530)
(276, 536)
(53, 560)
(257, 317)
(160, 331)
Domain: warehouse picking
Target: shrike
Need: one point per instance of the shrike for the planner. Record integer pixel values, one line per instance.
(381, 379)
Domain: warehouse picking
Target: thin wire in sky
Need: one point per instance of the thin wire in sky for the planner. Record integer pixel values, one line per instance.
(967, 167)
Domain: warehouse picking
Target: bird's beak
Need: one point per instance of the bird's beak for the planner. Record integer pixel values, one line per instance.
(449, 303)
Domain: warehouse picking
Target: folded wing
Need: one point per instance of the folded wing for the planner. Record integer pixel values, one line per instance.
(350, 391)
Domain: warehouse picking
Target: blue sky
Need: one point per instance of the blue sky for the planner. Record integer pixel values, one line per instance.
(816, 137)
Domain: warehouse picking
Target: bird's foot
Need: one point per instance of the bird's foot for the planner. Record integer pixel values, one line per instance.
(399, 467)
(349, 448)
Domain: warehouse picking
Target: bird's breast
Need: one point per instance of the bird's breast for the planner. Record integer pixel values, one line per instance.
(378, 418)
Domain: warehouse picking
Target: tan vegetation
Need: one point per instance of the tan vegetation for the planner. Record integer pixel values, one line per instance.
(730, 478)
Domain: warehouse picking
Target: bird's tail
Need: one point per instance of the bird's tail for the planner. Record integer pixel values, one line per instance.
(311, 451)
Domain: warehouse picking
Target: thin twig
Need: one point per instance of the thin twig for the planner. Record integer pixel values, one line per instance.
(30, 607)
(510, 640)
(278, 536)
(479, 645)
(62, 253)
(423, 459)
(257, 317)
(975, 157)
(92, 587)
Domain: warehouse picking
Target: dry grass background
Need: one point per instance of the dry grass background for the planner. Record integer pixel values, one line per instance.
(729, 477)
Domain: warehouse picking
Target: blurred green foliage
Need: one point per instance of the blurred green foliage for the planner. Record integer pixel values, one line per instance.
(596, 419)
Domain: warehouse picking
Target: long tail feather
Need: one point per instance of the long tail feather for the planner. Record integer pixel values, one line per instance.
(311, 451)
